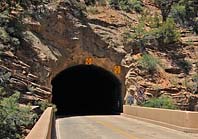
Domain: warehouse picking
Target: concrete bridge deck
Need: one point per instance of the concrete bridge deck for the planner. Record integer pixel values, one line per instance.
(114, 127)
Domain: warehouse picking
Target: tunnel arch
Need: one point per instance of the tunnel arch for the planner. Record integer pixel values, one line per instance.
(86, 89)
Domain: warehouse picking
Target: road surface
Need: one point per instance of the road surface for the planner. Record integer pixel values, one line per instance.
(113, 127)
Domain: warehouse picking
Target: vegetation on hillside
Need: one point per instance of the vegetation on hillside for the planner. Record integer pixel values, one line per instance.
(161, 102)
(14, 118)
(185, 13)
(149, 63)
(152, 33)
(127, 5)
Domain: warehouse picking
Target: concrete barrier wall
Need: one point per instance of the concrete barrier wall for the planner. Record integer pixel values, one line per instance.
(180, 120)
(43, 128)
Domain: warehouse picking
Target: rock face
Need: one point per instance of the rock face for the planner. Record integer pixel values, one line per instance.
(70, 40)
(58, 40)
(65, 36)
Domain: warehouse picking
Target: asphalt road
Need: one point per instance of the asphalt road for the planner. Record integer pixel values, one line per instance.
(113, 127)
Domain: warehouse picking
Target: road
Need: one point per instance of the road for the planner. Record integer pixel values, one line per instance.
(113, 127)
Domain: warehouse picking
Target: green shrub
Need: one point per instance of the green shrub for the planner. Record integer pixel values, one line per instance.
(10, 37)
(4, 36)
(162, 102)
(137, 5)
(2, 92)
(152, 21)
(13, 118)
(149, 62)
(138, 34)
(137, 39)
(44, 104)
(159, 33)
(178, 12)
(185, 13)
(4, 78)
(125, 6)
(167, 33)
(129, 5)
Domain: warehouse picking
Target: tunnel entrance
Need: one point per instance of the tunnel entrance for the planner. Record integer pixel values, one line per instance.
(86, 90)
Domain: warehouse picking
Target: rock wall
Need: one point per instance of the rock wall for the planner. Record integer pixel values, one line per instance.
(59, 39)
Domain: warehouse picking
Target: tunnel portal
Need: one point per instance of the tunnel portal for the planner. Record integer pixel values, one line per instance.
(86, 90)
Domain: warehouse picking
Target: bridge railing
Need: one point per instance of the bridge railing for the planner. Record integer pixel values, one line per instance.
(186, 121)
(43, 127)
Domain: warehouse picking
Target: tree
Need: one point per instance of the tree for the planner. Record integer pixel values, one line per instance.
(165, 7)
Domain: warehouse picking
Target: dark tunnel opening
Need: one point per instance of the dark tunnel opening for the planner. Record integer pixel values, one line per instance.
(86, 90)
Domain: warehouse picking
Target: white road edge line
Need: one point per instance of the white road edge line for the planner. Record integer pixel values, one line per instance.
(58, 129)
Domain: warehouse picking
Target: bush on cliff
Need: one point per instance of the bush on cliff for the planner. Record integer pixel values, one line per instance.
(14, 118)
(161, 102)
(149, 63)
(167, 33)
(127, 5)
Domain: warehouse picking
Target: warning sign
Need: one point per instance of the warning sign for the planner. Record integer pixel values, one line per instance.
(89, 61)
(117, 69)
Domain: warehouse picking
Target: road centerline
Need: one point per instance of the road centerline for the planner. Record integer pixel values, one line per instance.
(113, 128)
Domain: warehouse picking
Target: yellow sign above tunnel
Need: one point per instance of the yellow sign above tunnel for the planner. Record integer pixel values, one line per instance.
(89, 61)
(117, 69)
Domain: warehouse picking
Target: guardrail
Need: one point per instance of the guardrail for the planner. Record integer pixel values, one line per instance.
(185, 121)
(43, 127)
